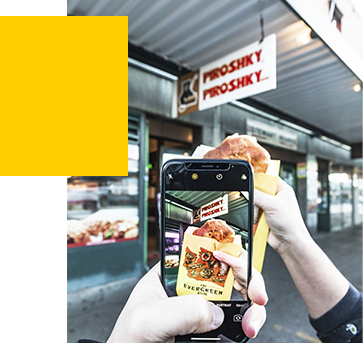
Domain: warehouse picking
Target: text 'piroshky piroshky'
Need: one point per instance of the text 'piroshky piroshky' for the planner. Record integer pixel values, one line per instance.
(233, 66)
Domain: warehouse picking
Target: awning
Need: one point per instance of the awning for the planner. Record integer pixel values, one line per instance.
(314, 85)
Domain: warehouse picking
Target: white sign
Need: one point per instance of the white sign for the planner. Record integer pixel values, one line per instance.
(245, 72)
(272, 135)
(215, 208)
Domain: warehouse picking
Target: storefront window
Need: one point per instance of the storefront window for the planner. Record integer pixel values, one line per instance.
(288, 174)
(104, 209)
(341, 198)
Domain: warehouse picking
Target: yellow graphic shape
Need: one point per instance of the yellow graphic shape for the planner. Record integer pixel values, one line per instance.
(63, 102)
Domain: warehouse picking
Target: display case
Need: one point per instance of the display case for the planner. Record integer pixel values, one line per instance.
(104, 209)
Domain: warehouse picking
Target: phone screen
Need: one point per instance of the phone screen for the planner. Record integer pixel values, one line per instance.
(207, 205)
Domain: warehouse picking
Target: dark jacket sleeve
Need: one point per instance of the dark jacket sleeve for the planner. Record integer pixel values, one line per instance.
(343, 323)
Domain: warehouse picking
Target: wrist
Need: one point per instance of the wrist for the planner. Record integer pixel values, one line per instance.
(292, 244)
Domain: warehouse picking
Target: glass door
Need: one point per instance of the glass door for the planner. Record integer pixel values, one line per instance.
(341, 197)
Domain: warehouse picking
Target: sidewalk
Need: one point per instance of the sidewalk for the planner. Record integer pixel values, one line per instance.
(92, 313)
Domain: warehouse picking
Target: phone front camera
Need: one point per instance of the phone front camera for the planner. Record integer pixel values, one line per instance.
(244, 177)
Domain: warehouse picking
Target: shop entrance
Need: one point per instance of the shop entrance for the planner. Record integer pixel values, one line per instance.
(323, 196)
(341, 197)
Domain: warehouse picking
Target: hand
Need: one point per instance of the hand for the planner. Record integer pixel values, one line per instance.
(319, 282)
(255, 316)
(283, 217)
(150, 316)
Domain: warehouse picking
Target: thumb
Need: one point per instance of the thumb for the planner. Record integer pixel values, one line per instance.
(186, 314)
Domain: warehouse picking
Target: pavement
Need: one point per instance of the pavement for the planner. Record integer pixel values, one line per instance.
(93, 312)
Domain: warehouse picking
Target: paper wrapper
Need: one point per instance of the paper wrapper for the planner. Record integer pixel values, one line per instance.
(266, 183)
(200, 273)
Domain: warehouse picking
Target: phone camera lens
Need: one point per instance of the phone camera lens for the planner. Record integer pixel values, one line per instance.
(244, 177)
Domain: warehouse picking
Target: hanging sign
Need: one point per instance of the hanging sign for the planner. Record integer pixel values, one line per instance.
(245, 72)
(212, 209)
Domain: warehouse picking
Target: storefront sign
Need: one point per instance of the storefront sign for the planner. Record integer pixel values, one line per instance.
(245, 72)
(271, 135)
(213, 209)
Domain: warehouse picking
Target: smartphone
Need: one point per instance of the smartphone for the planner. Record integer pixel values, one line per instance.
(195, 195)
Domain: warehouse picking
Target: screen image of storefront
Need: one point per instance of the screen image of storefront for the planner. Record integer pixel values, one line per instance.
(185, 210)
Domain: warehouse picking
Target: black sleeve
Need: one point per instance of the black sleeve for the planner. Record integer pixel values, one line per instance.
(343, 323)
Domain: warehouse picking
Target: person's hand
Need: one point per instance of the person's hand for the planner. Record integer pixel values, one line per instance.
(283, 217)
(255, 316)
(151, 316)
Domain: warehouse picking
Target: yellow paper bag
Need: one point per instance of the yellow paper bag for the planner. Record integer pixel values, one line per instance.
(268, 184)
(200, 273)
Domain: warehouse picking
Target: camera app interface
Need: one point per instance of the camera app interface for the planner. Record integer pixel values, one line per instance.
(197, 223)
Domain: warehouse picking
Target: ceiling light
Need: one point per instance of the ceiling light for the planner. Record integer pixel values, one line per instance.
(357, 87)
(304, 37)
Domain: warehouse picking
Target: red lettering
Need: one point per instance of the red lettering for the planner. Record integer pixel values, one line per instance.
(210, 213)
(232, 67)
(241, 82)
(211, 74)
(224, 88)
(215, 74)
(223, 70)
(215, 91)
(258, 75)
(248, 60)
(237, 64)
(232, 86)
(241, 63)
(248, 80)
(258, 55)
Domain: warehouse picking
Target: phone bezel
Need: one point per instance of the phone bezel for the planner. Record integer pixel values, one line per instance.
(208, 166)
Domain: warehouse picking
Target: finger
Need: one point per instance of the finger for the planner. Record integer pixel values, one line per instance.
(186, 314)
(239, 264)
(151, 281)
(257, 289)
(156, 269)
(262, 199)
(281, 185)
(253, 320)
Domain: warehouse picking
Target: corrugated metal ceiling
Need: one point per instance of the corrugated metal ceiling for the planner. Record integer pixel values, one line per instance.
(313, 85)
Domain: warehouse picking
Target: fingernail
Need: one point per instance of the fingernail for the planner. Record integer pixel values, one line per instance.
(216, 254)
(218, 315)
